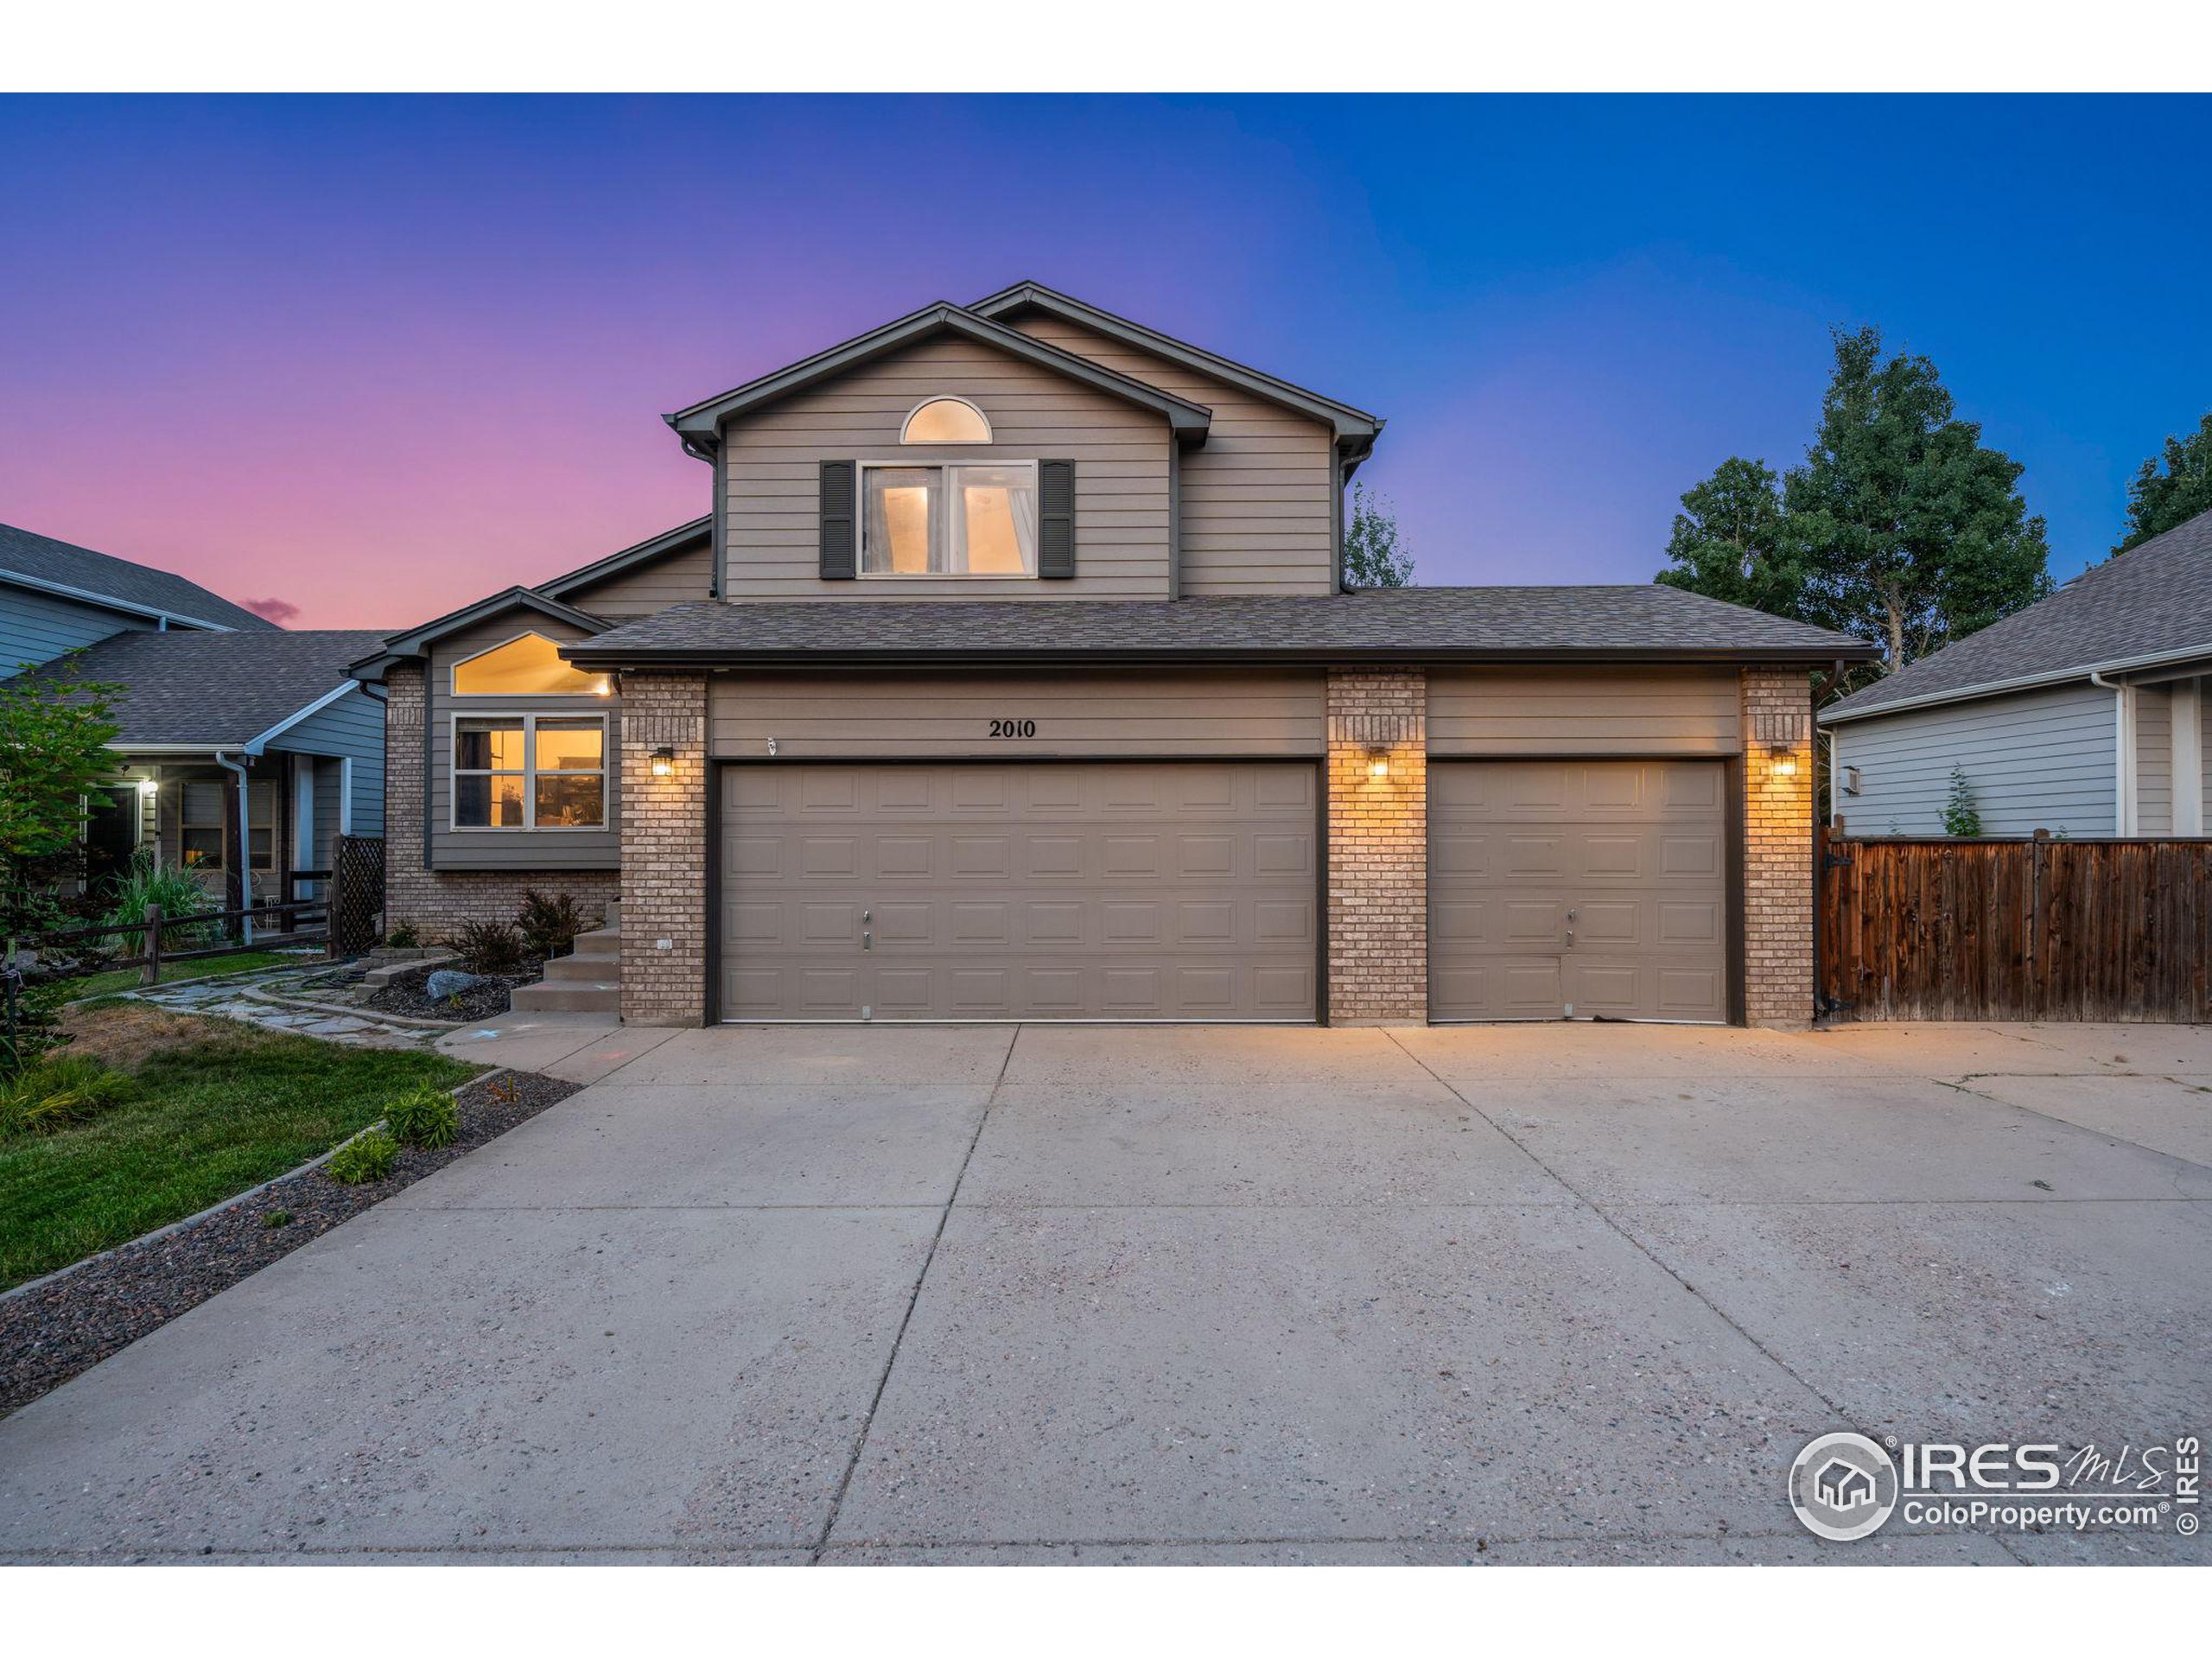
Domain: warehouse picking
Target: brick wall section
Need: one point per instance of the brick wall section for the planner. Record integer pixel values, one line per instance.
(1378, 848)
(438, 903)
(664, 851)
(1778, 849)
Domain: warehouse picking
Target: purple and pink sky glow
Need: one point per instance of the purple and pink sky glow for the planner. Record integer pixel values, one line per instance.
(375, 358)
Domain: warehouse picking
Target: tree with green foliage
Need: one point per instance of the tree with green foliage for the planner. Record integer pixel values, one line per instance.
(54, 732)
(1374, 556)
(2171, 487)
(1900, 526)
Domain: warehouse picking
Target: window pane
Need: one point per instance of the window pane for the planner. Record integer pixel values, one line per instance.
(201, 849)
(946, 420)
(897, 519)
(488, 746)
(524, 667)
(263, 849)
(569, 745)
(996, 520)
(569, 803)
(482, 802)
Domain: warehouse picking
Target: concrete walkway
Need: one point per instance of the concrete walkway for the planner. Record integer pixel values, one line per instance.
(1167, 1294)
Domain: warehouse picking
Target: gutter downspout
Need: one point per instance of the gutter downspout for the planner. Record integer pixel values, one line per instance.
(1822, 687)
(244, 850)
(2123, 747)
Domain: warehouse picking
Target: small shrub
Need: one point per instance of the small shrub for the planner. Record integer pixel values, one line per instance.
(1961, 812)
(57, 1093)
(278, 1218)
(428, 1118)
(35, 1033)
(488, 947)
(369, 1156)
(549, 925)
(147, 883)
(404, 937)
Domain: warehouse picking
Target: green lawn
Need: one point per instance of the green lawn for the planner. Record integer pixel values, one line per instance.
(224, 1107)
(126, 979)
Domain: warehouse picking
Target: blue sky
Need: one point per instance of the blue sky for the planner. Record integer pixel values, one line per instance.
(373, 356)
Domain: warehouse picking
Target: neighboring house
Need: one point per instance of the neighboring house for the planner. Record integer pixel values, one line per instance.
(2083, 714)
(1013, 675)
(232, 732)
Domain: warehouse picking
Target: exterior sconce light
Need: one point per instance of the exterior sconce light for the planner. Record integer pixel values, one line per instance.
(1784, 761)
(664, 762)
(1378, 764)
(148, 785)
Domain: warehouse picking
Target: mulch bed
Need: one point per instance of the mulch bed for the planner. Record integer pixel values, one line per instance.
(72, 1322)
(405, 995)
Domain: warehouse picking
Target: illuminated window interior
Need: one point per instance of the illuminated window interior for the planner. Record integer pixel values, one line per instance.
(948, 521)
(528, 667)
(946, 420)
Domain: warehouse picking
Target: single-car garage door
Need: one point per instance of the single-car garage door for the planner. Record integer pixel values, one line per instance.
(1578, 889)
(1103, 890)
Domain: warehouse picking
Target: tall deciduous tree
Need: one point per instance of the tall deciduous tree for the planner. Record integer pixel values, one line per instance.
(1900, 526)
(1374, 556)
(53, 738)
(2172, 486)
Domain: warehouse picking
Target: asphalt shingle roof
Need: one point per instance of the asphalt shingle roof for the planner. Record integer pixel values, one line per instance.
(2152, 601)
(29, 554)
(1436, 624)
(217, 691)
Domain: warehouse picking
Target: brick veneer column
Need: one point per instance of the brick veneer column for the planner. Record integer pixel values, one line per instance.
(1378, 848)
(664, 851)
(438, 904)
(1777, 848)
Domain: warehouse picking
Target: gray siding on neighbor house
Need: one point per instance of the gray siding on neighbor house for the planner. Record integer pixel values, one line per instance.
(350, 728)
(2154, 760)
(513, 849)
(1258, 506)
(37, 627)
(772, 461)
(2039, 759)
(674, 579)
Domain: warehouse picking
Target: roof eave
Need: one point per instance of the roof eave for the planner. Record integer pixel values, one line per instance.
(415, 642)
(644, 552)
(1839, 716)
(587, 654)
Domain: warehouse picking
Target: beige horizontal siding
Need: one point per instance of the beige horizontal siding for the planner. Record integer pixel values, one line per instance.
(1601, 710)
(1100, 712)
(1120, 452)
(1258, 498)
(674, 579)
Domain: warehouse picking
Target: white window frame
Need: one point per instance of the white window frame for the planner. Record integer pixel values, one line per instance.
(944, 398)
(862, 469)
(453, 675)
(529, 826)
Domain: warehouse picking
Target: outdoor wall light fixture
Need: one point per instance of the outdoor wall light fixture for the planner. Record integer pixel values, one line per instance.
(664, 762)
(148, 785)
(1378, 764)
(1784, 761)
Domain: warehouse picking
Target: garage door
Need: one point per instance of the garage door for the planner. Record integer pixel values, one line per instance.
(1077, 891)
(1578, 889)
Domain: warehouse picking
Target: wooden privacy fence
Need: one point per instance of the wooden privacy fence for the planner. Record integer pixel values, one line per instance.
(2015, 930)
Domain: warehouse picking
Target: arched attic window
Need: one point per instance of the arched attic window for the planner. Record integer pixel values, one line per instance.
(945, 420)
(528, 665)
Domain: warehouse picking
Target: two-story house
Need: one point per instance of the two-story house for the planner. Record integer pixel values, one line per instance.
(1012, 674)
(242, 749)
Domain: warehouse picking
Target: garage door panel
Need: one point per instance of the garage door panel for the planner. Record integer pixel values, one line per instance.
(1636, 850)
(1114, 890)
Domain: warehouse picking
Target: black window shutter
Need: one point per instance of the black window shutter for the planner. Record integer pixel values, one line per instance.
(840, 561)
(1056, 520)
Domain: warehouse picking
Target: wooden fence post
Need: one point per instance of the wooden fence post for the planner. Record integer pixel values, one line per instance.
(151, 973)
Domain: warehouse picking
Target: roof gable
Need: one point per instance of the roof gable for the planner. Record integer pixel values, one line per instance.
(1351, 424)
(700, 423)
(40, 562)
(417, 642)
(681, 539)
(208, 688)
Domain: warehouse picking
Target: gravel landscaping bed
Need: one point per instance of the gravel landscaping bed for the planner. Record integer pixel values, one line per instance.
(73, 1321)
(405, 994)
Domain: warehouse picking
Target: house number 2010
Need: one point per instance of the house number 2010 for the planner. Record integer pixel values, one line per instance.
(1014, 728)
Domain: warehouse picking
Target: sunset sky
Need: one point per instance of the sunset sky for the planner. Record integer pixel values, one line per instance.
(372, 359)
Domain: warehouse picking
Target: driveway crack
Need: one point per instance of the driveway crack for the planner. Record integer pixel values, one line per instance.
(913, 1298)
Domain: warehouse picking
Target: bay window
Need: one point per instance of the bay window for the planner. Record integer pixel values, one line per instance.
(956, 519)
(529, 772)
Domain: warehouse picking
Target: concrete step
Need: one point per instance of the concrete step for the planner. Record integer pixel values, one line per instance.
(569, 996)
(600, 969)
(603, 945)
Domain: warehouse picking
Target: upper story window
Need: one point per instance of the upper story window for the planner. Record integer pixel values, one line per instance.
(945, 420)
(948, 521)
(529, 665)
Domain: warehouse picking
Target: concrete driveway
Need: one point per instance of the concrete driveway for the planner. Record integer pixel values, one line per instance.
(1096, 1294)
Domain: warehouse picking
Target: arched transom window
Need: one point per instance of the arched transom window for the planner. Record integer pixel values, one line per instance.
(946, 420)
(528, 665)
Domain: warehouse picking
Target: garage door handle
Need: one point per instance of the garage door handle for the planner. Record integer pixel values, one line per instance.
(868, 941)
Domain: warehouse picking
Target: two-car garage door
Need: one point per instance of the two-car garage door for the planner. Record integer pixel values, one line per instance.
(1574, 888)
(1106, 890)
